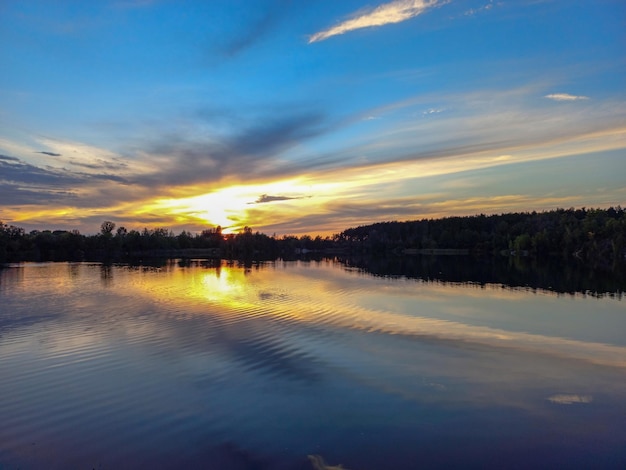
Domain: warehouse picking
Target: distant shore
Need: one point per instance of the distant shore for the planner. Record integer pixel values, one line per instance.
(594, 236)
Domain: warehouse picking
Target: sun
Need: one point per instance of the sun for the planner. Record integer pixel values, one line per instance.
(225, 207)
(237, 206)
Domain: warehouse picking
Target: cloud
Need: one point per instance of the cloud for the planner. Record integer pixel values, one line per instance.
(197, 157)
(266, 198)
(24, 183)
(212, 147)
(343, 211)
(251, 36)
(99, 164)
(477, 128)
(474, 11)
(367, 178)
(256, 29)
(254, 25)
(16, 171)
(52, 154)
(565, 97)
(12, 194)
(387, 13)
(564, 399)
(250, 153)
(372, 177)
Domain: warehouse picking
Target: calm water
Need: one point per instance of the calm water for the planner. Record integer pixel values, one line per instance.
(303, 366)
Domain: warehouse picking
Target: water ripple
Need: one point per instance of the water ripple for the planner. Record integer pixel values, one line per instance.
(124, 367)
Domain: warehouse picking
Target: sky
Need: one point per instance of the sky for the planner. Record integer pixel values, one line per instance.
(296, 117)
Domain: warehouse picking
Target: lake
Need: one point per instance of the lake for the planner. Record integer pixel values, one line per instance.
(305, 365)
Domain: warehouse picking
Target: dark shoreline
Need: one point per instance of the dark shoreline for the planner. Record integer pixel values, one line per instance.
(596, 237)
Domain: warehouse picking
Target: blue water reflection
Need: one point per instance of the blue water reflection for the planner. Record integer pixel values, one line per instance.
(295, 365)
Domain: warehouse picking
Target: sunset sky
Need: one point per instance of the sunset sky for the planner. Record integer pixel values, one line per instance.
(296, 117)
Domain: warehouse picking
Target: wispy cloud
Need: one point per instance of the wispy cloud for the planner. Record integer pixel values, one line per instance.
(252, 152)
(255, 29)
(13, 170)
(51, 154)
(265, 198)
(387, 13)
(12, 194)
(565, 97)
(474, 11)
(564, 399)
(24, 183)
(432, 111)
(243, 165)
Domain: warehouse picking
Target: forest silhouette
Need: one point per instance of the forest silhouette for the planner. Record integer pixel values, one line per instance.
(594, 236)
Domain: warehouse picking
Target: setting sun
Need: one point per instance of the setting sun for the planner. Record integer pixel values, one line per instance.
(235, 207)
(225, 207)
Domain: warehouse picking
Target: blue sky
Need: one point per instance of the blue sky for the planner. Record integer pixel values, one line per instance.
(307, 117)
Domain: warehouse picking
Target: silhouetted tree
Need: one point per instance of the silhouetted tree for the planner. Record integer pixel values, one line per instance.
(107, 227)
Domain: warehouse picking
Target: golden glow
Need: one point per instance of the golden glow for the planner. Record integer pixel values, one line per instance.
(296, 295)
(236, 206)
(231, 207)
(223, 207)
(223, 286)
(326, 201)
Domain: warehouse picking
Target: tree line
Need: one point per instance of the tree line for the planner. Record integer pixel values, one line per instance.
(596, 235)
(118, 243)
(590, 234)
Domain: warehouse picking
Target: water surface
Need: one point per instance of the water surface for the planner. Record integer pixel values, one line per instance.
(296, 365)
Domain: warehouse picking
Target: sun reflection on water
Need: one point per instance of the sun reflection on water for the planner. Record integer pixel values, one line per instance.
(313, 295)
(208, 351)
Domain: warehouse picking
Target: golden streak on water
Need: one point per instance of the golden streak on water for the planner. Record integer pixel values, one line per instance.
(293, 295)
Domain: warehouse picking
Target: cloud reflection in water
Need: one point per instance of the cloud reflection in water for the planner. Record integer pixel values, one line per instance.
(265, 365)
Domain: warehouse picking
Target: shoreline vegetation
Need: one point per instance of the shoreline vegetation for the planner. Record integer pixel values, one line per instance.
(595, 237)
